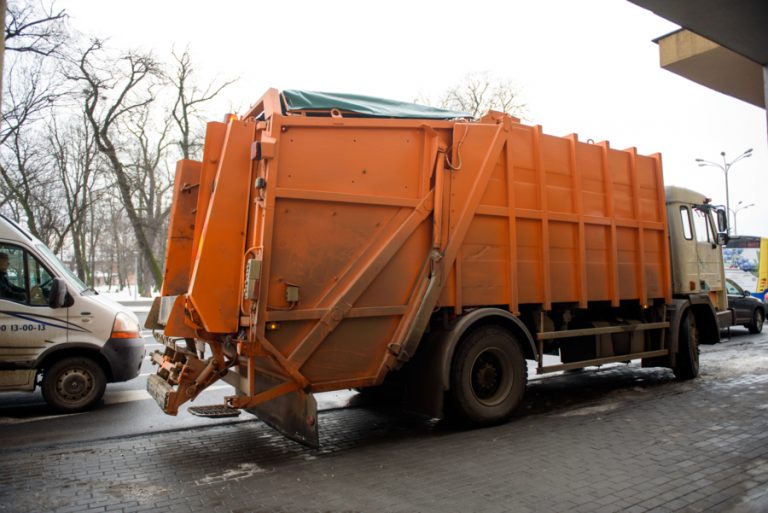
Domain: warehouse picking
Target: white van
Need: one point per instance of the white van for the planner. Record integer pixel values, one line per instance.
(56, 331)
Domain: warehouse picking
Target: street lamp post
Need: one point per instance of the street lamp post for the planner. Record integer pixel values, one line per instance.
(724, 167)
(739, 206)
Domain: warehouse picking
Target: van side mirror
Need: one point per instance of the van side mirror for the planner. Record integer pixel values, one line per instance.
(58, 295)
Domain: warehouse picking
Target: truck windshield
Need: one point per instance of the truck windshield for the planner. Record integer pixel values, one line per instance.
(60, 268)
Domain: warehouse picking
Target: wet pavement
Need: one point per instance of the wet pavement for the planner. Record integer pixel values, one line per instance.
(619, 439)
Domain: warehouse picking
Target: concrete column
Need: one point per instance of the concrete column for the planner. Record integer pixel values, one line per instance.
(765, 96)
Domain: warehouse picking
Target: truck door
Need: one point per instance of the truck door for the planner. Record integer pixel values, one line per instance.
(28, 326)
(709, 254)
(685, 252)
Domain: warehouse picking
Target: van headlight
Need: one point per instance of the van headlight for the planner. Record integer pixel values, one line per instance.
(125, 327)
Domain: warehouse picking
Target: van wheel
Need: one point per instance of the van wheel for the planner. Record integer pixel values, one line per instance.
(73, 384)
(758, 318)
(687, 361)
(488, 376)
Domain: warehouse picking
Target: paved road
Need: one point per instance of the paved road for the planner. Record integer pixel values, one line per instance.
(621, 439)
(127, 410)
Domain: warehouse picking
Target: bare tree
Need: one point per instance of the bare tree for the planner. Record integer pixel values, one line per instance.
(74, 158)
(28, 189)
(189, 97)
(31, 93)
(34, 27)
(151, 178)
(113, 90)
(118, 249)
(32, 90)
(481, 92)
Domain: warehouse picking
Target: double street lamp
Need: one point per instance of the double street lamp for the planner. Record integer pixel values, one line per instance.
(724, 167)
(739, 206)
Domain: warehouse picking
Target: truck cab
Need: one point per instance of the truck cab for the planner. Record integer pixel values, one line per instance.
(697, 232)
(57, 333)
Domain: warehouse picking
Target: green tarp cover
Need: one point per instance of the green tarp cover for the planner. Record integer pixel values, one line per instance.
(364, 105)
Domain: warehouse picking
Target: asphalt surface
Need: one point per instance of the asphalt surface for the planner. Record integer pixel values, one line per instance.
(622, 438)
(126, 410)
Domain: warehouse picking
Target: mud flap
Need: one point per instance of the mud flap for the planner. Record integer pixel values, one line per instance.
(294, 415)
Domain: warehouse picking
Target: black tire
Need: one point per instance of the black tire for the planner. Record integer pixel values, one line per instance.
(488, 376)
(687, 361)
(73, 384)
(758, 318)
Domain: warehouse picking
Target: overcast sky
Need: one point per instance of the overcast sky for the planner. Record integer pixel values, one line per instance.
(588, 67)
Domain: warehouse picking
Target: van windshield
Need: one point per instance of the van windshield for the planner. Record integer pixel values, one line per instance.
(60, 268)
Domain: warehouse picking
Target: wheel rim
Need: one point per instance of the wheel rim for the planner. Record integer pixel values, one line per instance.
(74, 385)
(758, 319)
(491, 376)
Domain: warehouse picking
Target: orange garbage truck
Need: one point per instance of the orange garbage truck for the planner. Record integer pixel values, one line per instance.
(330, 241)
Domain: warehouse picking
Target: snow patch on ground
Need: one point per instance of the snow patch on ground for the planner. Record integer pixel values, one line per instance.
(243, 471)
(128, 293)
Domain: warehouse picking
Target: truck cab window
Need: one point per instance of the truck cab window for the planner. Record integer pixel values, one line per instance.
(701, 224)
(685, 219)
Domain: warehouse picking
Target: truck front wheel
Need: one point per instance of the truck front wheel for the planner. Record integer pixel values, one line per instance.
(687, 361)
(488, 376)
(73, 384)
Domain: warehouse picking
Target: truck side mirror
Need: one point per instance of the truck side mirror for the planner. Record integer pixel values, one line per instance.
(722, 221)
(58, 295)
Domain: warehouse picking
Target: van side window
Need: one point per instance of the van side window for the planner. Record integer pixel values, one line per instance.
(23, 279)
(40, 281)
(13, 275)
(686, 220)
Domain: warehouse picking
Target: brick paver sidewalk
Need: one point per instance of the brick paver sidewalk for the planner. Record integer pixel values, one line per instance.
(622, 439)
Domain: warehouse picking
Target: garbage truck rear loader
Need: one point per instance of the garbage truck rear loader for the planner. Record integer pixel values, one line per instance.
(327, 241)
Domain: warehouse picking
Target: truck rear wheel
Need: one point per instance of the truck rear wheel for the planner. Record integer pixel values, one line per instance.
(73, 384)
(687, 361)
(488, 376)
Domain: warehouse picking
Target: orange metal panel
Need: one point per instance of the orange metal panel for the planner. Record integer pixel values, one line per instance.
(664, 258)
(613, 267)
(178, 256)
(546, 284)
(176, 325)
(512, 229)
(640, 264)
(214, 141)
(576, 184)
(216, 282)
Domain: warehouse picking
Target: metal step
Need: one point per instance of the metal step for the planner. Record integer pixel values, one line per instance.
(214, 411)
